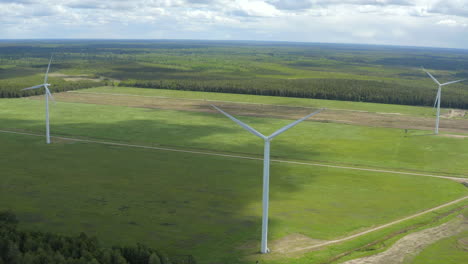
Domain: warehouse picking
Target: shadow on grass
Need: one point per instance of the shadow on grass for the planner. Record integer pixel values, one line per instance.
(180, 202)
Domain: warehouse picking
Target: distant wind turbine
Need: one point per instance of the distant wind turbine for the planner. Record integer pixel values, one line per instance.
(47, 95)
(437, 100)
(266, 167)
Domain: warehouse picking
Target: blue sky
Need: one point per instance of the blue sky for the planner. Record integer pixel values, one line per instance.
(391, 22)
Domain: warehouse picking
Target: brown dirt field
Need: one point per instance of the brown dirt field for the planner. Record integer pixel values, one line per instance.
(455, 113)
(74, 78)
(411, 245)
(292, 243)
(392, 120)
(454, 136)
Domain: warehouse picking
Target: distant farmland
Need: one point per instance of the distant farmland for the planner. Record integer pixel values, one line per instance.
(360, 73)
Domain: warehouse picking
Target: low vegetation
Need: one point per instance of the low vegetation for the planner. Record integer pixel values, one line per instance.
(452, 250)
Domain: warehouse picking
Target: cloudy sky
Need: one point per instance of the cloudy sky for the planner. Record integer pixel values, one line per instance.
(394, 22)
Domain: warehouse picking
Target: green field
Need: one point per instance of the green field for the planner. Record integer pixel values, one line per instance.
(210, 206)
(311, 141)
(194, 204)
(452, 250)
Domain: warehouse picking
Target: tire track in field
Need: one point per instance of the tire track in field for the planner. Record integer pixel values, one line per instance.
(330, 242)
(411, 245)
(297, 249)
(458, 179)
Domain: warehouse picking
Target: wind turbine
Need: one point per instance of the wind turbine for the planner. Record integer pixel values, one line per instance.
(266, 167)
(47, 95)
(437, 100)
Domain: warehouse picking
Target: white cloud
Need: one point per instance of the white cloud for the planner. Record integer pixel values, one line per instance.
(452, 7)
(258, 8)
(451, 23)
(399, 22)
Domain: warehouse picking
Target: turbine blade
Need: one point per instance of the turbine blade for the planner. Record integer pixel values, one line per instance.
(33, 87)
(48, 93)
(447, 83)
(48, 68)
(437, 99)
(432, 77)
(293, 124)
(245, 126)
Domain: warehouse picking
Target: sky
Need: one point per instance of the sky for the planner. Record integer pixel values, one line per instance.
(431, 23)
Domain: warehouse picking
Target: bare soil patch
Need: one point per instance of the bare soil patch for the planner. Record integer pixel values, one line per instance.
(462, 243)
(453, 136)
(409, 246)
(392, 120)
(74, 78)
(280, 247)
(292, 243)
(455, 113)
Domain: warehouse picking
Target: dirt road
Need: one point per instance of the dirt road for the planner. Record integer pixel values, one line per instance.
(409, 246)
(330, 242)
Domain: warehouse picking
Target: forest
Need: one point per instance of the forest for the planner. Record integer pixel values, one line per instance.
(29, 247)
(333, 89)
(362, 73)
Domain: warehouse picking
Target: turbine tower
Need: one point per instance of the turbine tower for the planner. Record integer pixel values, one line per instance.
(266, 167)
(437, 100)
(47, 95)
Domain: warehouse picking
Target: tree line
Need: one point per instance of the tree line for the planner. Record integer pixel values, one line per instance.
(332, 89)
(30, 247)
(11, 88)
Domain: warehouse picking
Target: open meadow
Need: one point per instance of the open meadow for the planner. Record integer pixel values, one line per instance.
(321, 141)
(139, 155)
(186, 180)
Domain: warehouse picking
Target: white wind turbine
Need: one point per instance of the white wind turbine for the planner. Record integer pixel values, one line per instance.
(266, 167)
(437, 100)
(47, 95)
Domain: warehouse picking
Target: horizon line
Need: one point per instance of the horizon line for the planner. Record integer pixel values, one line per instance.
(229, 40)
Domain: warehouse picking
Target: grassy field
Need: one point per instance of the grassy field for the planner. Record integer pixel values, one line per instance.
(273, 100)
(191, 204)
(371, 243)
(452, 250)
(210, 206)
(310, 141)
